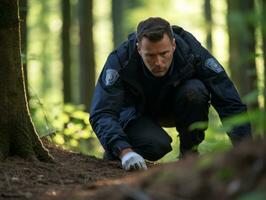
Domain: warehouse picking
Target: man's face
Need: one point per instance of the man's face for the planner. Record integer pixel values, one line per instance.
(157, 56)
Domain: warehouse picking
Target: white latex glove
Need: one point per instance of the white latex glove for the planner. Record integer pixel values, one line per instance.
(133, 161)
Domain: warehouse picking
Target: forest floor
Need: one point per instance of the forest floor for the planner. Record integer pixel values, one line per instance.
(237, 174)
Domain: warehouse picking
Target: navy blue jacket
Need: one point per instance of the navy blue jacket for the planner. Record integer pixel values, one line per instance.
(118, 96)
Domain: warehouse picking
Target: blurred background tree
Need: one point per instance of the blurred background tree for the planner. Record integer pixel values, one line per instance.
(66, 53)
(241, 30)
(66, 43)
(263, 30)
(117, 20)
(86, 52)
(208, 21)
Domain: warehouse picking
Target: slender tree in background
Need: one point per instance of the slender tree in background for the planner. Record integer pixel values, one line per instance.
(17, 133)
(241, 26)
(120, 16)
(45, 51)
(23, 8)
(66, 56)
(117, 19)
(86, 50)
(208, 21)
(263, 25)
(129, 7)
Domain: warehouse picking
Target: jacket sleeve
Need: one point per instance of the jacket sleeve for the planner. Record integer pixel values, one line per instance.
(106, 106)
(224, 96)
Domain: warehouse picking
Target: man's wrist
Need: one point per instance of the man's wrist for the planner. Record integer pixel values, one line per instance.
(118, 146)
(125, 151)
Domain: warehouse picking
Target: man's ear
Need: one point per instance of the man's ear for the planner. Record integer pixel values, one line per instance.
(174, 44)
(138, 47)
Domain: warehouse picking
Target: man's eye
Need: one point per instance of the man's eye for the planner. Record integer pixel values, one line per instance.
(164, 53)
(150, 56)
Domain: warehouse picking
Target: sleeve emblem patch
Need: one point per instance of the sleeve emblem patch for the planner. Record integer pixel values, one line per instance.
(111, 76)
(212, 64)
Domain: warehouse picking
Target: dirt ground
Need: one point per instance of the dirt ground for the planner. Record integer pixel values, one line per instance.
(237, 174)
(20, 179)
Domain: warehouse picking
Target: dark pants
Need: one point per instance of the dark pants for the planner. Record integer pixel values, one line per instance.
(148, 138)
(188, 103)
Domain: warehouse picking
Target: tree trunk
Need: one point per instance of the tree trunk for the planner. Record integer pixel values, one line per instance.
(117, 19)
(208, 21)
(241, 26)
(121, 12)
(263, 25)
(87, 63)
(66, 56)
(17, 133)
(23, 9)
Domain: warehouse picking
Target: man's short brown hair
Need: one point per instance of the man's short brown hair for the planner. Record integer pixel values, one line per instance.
(154, 28)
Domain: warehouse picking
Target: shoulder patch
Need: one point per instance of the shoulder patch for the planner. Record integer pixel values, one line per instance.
(213, 64)
(111, 76)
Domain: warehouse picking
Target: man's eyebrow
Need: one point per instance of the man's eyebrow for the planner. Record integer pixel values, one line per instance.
(150, 54)
(165, 51)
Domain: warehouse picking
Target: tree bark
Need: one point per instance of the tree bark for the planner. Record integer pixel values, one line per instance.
(87, 63)
(241, 28)
(66, 56)
(23, 9)
(17, 132)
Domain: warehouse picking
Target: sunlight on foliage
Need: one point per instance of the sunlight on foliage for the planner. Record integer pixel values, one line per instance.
(74, 127)
(216, 140)
(73, 130)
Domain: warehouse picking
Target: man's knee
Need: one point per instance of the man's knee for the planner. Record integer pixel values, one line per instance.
(148, 138)
(189, 139)
(193, 91)
(155, 149)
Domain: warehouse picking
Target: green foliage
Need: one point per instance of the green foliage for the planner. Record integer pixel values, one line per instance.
(205, 162)
(68, 126)
(216, 139)
(254, 116)
(224, 174)
(74, 131)
(256, 195)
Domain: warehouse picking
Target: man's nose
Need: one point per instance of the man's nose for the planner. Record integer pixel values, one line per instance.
(159, 60)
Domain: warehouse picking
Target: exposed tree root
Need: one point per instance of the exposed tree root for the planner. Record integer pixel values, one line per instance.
(22, 140)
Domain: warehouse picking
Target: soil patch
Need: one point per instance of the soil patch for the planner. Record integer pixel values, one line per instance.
(20, 179)
(237, 174)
